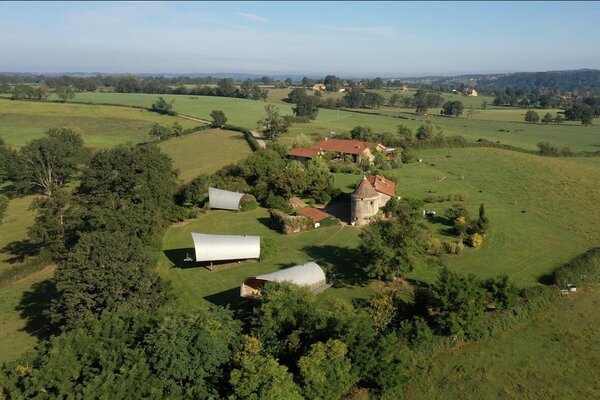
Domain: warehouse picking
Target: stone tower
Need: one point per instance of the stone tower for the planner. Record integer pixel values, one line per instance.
(364, 203)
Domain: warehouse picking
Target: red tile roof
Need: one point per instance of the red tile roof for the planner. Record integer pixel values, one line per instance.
(300, 152)
(297, 202)
(313, 213)
(343, 146)
(383, 185)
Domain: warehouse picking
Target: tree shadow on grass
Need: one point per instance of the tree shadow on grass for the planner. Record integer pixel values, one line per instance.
(266, 221)
(33, 308)
(20, 250)
(178, 257)
(344, 263)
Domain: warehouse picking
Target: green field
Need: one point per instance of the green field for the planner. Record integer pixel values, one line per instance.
(205, 152)
(554, 356)
(100, 127)
(195, 284)
(247, 112)
(14, 229)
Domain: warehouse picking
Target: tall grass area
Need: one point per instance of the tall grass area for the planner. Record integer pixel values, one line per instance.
(205, 152)
(246, 113)
(99, 126)
(555, 355)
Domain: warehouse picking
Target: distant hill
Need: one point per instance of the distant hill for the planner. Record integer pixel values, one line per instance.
(582, 79)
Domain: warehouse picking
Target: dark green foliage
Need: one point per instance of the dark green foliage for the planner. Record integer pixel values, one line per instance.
(391, 248)
(548, 149)
(457, 210)
(501, 291)
(547, 118)
(188, 351)
(454, 304)
(162, 106)
(219, 118)
(248, 202)
(3, 206)
(354, 98)
(160, 132)
(583, 268)
(532, 116)
(426, 131)
(101, 359)
(452, 108)
(48, 163)
(102, 272)
(128, 189)
(258, 376)
(9, 163)
(295, 95)
(420, 102)
(278, 203)
(325, 371)
(307, 106)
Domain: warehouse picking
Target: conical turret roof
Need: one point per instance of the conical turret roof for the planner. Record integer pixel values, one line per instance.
(365, 190)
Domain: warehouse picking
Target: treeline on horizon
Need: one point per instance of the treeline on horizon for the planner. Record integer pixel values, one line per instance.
(562, 81)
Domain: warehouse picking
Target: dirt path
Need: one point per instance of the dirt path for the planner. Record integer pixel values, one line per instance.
(193, 118)
(258, 137)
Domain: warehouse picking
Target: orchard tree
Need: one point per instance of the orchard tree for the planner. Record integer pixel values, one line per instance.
(219, 118)
(273, 124)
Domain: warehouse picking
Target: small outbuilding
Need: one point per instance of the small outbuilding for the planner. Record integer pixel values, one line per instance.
(209, 248)
(224, 199)
(308, 275)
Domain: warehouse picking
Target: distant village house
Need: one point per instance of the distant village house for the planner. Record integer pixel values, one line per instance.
(359, 150)
(319, 87)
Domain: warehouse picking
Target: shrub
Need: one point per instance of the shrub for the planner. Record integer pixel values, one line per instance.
(278, 203)
(288, 224)
(474, 240)
(268, 249)
(457, 210)
(434, 247)
(331, 221)
(454, 247)
(248, 202)
(583, 268)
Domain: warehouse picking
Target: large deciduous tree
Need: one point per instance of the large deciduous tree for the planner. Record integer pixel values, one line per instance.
(273, 124)
(219, 118)
(307, 106)
(48, 163)
(452, 108)
(103, 272)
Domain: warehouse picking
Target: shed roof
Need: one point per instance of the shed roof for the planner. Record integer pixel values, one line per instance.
(344, 146)
(365, 190)
(225, 247)
(224, 199)
(297, 202)
(314, 214)
(307, 274)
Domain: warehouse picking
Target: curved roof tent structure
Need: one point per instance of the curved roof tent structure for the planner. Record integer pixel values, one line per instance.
(225, 247)
(224, 199)
(309, 275)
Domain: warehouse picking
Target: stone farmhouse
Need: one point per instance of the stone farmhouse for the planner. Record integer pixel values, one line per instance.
(319, 87)
(359, 150)
(371, 194)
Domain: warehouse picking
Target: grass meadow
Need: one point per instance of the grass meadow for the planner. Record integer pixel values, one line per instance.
(205, 152)
(497, 124)
(100, 127)
(555, 355)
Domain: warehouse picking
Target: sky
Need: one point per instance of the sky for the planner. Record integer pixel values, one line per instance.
(351, 39)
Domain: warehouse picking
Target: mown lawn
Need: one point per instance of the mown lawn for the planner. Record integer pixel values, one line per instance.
(99, 126)
(14, 230)
(194, 284)
(556, 355)
(205, 152)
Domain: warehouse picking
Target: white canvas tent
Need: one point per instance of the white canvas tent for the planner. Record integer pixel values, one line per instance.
(309, 275)
(224, 199)
(225, 247)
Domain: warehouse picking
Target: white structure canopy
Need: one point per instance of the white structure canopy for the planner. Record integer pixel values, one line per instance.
(225, 247)
(224, 199)
(308, 274)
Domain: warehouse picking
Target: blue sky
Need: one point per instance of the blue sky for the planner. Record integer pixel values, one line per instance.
(343, 38)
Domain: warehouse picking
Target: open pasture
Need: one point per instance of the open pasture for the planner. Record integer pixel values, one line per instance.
(205, 152)
(493, 124)
(99, 126)
(555, 355)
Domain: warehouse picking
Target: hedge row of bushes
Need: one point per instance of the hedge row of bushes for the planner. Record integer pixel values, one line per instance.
(583, 268)
(247, 135)
(441, 198)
